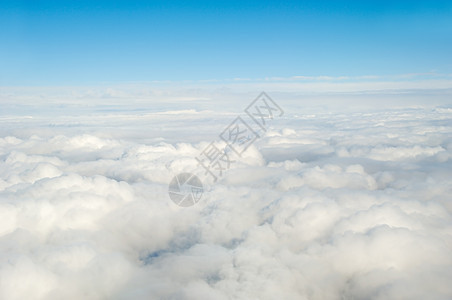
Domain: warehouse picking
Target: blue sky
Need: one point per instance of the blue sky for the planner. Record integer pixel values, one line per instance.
(91, 42)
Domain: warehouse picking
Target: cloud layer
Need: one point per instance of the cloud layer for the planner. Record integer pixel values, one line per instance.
(325, 206)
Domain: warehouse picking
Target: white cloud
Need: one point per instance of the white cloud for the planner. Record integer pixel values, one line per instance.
(327, 205)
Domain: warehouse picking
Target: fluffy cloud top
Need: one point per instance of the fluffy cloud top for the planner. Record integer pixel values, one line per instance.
(324, 206)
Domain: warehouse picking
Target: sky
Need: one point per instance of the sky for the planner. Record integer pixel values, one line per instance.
(58, 43)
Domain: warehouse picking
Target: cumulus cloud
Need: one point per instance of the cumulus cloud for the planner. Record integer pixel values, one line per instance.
(324, 206)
